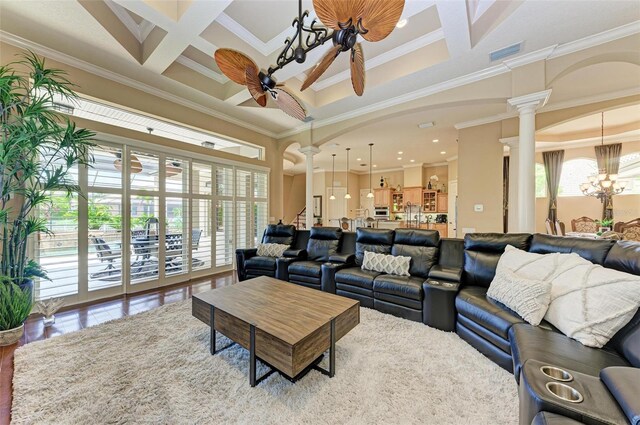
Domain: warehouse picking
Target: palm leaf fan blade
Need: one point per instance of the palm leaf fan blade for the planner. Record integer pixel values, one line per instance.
(333, 12)
(233, 64)
(380, 18)
(289, 104)
(357, 69)
(255, 86)
(322, 66)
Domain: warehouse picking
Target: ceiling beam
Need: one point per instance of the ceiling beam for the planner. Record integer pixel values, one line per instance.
(455, 24)
(179, 34)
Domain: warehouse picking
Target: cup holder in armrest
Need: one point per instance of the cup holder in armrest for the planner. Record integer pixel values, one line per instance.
(564, 392)
(556, 373)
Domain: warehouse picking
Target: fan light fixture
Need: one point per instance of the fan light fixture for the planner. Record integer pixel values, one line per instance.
(135, 166)
(343, 22)
(370, 194)
(603, 185)
(333, 176)
(347, 196)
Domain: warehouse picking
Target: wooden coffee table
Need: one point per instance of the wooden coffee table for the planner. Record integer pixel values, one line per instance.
(286, 326)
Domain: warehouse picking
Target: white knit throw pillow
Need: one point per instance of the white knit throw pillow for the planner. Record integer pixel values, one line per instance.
(390, 264)
(271, 249)
(520, 283)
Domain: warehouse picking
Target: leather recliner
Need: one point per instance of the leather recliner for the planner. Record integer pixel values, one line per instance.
(323, 243)
(402, 295)
(250, 265)
(353, 282)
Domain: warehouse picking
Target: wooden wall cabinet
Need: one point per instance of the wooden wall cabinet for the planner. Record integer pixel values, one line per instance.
(413, 195)
(430, 201)
(382, 197)
(442, 202)
(397, 202)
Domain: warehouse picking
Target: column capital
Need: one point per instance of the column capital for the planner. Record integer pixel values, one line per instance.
(512, 142)
(530, 102)
(309, 150)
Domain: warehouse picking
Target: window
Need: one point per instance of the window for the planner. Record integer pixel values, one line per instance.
(574, 173)
(146, 219)
(630, 172)
(541, 181)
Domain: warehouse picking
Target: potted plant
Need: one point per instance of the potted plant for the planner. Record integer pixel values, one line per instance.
(39, 146)
(604, 225)
(15, 306)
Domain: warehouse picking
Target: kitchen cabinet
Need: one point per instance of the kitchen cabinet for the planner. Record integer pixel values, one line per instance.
(442, 202)
(382, 197)
(442, 228)
(397, 202)
(412, 195)
(430, 201)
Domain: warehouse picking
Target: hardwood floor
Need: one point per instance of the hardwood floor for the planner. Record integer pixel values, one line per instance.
(77, 317)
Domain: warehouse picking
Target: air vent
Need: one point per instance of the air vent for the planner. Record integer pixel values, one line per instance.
(209, 145)
(505, 52)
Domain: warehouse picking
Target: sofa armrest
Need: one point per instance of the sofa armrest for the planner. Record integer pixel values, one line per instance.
(624, 385)
(449, 274)
(243, 255)
(328, 276)
(438, 305)
(298, 254)
(282, 267)
(342, 258)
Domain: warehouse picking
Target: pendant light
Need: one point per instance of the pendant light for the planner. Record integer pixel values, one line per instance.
(347, 196)
(370, 194)
(333, 176)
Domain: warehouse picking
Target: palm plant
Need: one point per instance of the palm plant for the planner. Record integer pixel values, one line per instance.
(39, 147)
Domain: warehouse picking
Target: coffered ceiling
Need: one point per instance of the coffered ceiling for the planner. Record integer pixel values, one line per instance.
(166, 47)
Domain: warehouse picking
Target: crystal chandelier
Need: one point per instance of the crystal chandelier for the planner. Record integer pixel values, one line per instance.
(603, 185)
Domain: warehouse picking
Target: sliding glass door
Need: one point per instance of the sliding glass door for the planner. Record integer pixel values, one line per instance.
(147, 219)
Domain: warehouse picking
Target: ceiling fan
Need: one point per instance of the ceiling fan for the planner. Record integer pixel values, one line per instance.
(373, 19)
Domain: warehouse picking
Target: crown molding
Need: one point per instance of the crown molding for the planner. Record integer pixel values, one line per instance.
(22, 43)
(452, 158)
(590, 141)
(125, 18)
(413, 165)
(383, 58)
(532, 57)
(201, 69)
(596, 39)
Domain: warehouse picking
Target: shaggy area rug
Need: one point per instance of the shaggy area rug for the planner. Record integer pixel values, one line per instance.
(155, 367)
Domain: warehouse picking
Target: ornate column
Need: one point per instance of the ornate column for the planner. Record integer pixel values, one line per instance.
(526, 161)
(309, 151)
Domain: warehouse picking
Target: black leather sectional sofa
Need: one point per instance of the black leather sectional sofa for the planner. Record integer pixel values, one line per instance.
(447, 290)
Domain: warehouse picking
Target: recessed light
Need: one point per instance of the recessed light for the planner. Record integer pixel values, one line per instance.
(442, 153)
(399, 158)
(401, 23)
(399, 152)
(358, 159)
(435, 140)
(375, 165)
(426, 124)
(412, 160)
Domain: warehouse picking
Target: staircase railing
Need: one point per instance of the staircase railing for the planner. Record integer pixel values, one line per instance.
(301, 219)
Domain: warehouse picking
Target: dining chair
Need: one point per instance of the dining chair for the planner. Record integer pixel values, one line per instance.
(584, 225)
(549, 226)
(560, 228)
(631, 231)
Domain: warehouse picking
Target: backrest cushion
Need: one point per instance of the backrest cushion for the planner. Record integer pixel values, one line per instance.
(482, 252)
(624, 256)
(279, 233)
(420, 245)
(594, 250)
(323, 242)
(372, 240)
(627, 341)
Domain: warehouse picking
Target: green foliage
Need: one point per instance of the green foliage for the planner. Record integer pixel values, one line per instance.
(39, 146)
(608, 222)
(15, 304)
(101, 214)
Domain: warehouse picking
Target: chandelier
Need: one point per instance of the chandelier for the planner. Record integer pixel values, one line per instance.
(603, 185)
